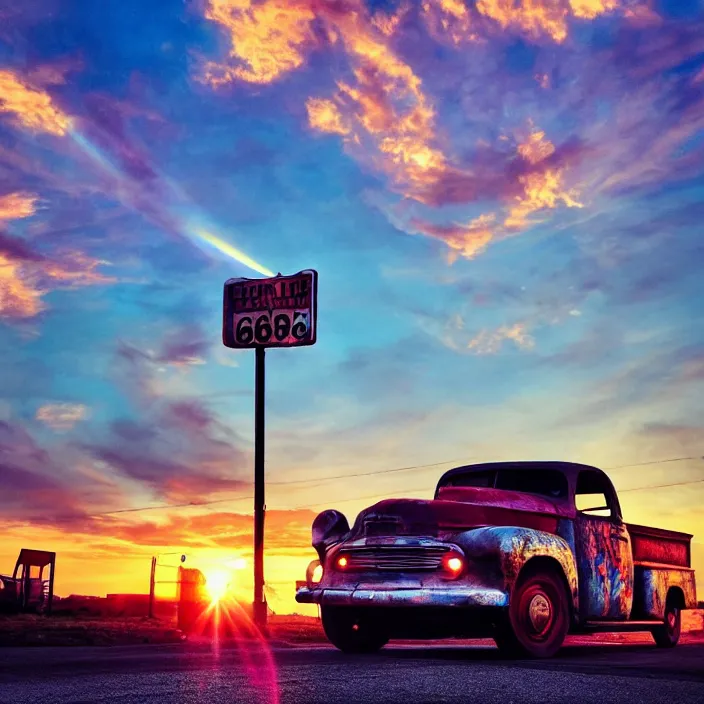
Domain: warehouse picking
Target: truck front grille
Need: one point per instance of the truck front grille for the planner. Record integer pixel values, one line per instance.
(399, 558)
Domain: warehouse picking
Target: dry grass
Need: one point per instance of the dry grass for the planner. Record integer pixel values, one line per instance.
(26, 629)
(296, 629)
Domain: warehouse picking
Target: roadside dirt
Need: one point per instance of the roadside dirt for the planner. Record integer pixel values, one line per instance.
(28, 630)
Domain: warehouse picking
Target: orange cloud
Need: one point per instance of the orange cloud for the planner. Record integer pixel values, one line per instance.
(268, 38)
(590, 9)
(23, 282)
(466, 241)
(449, 20)
(31, 108)
(17, 205)
(387, 107)
(530, 16)
(541, 191)
(387, 23)
(77, 269)
(18, 297)
(61, 416)
(536, 147)
(325, 116)
(491, 342)
(538, 18)
(382, 113)
(542, 188)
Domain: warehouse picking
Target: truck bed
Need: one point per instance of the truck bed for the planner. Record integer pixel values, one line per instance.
(660, 547)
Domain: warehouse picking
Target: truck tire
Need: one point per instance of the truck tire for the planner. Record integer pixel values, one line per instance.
(352, 630)
(667, 635)
(538, 616)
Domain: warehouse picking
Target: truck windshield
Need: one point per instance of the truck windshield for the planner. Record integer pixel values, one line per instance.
(544, 482)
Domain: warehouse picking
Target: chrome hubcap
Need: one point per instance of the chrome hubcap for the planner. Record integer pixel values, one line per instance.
(540, 613)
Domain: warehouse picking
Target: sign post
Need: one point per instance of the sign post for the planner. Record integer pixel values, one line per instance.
(259, 605)
(260, 313)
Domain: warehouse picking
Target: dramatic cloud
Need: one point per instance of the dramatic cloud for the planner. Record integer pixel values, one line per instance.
(325, 115)
(385, 116)
(287, 531)
(268, 39)
(17, 205)
(37, 485)
(31, 107)
(173, 445)
(25, 280)
(543, 18)
(464, 240)
(18, 297)
(449, 21)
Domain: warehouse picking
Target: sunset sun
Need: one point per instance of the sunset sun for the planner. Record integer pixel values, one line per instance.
(217, 583)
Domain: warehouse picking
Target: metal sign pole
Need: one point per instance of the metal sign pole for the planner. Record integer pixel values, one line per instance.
(259, 606)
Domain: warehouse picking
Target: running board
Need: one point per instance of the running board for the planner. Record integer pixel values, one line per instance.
(619, 626)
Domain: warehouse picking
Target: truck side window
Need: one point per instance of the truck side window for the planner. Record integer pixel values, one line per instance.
(594, 495)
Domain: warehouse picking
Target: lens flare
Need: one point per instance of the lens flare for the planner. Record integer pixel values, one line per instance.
(230, 251)
(161, 212)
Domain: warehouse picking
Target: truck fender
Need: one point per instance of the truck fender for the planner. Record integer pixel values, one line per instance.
(512, 547)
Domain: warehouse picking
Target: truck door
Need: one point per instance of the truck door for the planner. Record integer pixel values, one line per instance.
(603, 547)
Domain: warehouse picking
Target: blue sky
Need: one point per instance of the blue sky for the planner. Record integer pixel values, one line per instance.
(504, 208)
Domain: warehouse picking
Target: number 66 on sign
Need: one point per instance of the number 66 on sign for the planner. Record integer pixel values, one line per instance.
(276, 312)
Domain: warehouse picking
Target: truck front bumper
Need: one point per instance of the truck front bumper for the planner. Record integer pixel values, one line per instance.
(455, 596)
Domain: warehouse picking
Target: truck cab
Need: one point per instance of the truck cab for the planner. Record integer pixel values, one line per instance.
(524, 552)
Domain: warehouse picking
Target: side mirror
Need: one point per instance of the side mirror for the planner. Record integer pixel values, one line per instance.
(328, 528)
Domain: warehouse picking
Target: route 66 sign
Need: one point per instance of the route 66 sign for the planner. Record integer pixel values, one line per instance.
(275, 312)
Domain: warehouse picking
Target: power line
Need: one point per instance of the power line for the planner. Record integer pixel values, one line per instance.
(362, 474)
(643, 464)
(662, 486)
(412, 491)
(284, 483)
(195, 504)
(357, 498)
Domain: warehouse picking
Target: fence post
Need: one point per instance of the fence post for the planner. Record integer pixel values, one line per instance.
(151, 588)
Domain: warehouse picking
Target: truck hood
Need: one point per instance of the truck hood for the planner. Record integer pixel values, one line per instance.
(458, 509)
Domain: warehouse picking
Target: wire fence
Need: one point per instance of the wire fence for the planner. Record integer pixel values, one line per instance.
(165, 585)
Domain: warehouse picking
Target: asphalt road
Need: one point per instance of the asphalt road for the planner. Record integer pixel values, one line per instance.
(188, 673)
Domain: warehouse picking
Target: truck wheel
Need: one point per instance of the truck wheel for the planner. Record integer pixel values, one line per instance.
(538, 616)
(352, 630)
(667, 635)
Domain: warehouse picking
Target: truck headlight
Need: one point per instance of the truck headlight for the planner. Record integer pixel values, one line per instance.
(453, 564)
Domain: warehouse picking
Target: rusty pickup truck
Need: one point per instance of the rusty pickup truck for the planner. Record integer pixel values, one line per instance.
(522, 552)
